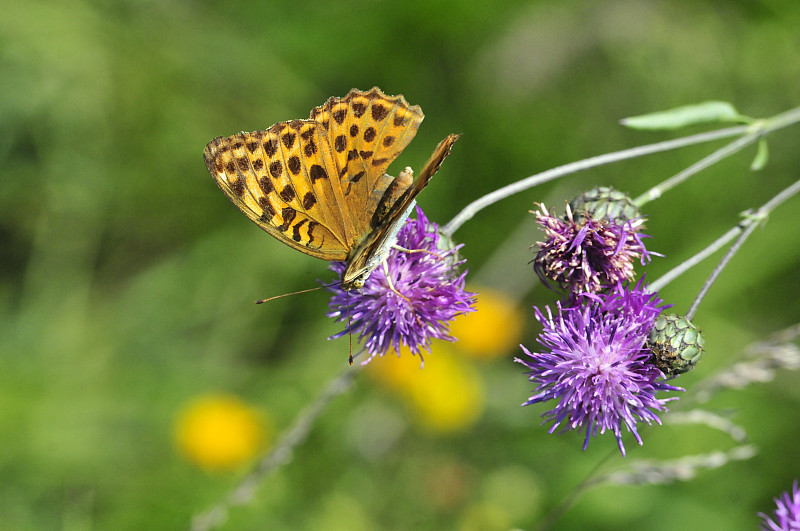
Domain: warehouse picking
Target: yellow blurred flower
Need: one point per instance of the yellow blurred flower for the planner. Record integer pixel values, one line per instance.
(395, 371)
(219, 432)
(446, 395)
(493, 330)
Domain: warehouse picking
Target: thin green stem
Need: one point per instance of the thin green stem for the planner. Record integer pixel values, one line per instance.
(279, 455)
(573, 167)
(752, 133)
(743, 230)
(751, 222)
(686, 265)
(574, 495)
(748, 230)
(723, 152)
(756, 131)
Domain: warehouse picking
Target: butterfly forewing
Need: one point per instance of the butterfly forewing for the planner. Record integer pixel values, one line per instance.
(319, 185)
(367, 131)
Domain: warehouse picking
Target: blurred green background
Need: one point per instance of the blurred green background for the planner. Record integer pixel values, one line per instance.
(128, 279)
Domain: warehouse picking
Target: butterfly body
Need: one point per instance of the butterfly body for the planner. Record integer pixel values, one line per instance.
(319, 185)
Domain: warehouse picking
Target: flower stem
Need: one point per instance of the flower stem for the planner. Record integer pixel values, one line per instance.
(723, 152)
(743, 229)
(755, 132)
(750, 223)
(279, 455)
(751, 133)
(573, 167)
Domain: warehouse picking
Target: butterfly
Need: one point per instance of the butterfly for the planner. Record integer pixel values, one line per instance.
(319, 185)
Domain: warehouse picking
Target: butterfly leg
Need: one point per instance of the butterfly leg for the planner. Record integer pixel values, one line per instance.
(440, 257)
(389, 282)
(391, 287)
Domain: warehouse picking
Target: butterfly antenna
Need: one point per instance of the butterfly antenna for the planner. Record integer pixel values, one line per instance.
(262, 301)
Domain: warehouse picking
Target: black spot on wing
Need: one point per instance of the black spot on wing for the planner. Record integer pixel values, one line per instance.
(317, 172)
(288, 214)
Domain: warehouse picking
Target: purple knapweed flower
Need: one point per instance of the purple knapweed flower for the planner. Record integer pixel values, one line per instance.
(595, 364)
(588, 255)
(787, 516)
(428, 293)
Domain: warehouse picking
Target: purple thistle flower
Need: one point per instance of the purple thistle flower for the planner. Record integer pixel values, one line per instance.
(588, 255)
(429, 294)
(595, 364)
(787, 516)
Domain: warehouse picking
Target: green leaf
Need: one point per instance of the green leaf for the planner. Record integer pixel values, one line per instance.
(709, 111)
(762, 156)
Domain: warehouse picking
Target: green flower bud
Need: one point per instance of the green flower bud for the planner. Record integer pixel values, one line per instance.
(676, 344)
(605, 203)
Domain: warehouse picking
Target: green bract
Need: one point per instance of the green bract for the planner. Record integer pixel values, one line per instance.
(676, 344)
(605, 203)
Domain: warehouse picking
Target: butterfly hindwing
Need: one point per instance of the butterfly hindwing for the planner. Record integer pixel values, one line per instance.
(397, 208)
(271, 185)
(301, 169)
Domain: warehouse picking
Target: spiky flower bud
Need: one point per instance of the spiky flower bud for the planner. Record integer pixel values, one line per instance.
(676, 344)
(605, 203)
(586, 255)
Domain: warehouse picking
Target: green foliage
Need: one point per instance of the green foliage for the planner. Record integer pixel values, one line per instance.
(762, 156)
(706, 112)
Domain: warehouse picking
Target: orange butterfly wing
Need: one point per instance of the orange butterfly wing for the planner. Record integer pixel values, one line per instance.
(319, 185)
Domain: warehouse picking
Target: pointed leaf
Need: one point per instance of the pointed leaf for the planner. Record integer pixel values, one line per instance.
(709, 111)
(762, 156)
